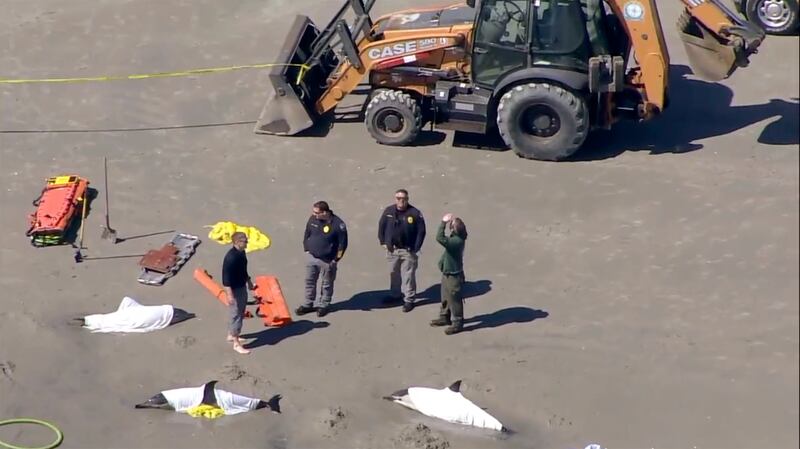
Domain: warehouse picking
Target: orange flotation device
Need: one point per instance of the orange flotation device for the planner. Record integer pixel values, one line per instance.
(272, 307)
(205, 279)
(56, 208)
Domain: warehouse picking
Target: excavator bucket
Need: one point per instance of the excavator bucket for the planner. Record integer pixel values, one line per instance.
(709, 58)
(307, 59)
(296, 85)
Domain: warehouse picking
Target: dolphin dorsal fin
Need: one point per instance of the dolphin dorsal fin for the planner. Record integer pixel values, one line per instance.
(209, 398)
(455, 387)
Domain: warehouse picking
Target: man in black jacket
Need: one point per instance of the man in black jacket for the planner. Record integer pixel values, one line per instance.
(401, 231)
(324, 242)
(236, 281)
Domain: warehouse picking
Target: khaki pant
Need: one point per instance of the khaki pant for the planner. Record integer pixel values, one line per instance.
(402, 274)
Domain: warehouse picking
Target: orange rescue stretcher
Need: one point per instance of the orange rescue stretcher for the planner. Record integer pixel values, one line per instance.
(272, 307)
(56, 208)
(271, 303)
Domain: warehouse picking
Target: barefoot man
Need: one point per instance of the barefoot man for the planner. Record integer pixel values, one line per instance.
(236, 282)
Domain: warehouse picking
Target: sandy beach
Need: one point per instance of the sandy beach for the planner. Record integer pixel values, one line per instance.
(642, 295)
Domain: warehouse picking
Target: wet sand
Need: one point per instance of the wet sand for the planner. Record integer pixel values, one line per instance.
(643, 295)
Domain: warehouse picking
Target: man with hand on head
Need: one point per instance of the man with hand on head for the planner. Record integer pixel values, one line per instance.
(324, 241)
(401, 232)
(451, 264)
(236, 281)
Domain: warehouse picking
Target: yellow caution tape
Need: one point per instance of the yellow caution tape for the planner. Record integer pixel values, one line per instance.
(301, 73)
(222, 232)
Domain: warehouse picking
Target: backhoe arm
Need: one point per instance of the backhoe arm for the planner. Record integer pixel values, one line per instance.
(717, 42)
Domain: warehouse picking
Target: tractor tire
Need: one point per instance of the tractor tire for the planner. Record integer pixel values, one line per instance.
(393, 117)
(542, 121)
(778, 17)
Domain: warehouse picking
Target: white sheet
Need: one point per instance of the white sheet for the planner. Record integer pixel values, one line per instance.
(130, 317)
(182, 399)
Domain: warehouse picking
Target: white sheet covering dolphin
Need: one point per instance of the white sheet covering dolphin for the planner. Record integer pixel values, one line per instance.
(131, 316)
(447, 404)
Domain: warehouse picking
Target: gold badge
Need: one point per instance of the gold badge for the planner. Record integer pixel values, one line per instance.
(410, 219)
(326, 229)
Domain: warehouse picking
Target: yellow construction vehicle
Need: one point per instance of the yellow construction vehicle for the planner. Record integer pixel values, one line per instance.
(541, 72)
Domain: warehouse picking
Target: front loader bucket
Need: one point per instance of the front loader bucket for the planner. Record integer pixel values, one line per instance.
(291, 106)
(709, 58)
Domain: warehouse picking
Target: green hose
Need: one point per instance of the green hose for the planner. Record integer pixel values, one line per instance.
(54, 444)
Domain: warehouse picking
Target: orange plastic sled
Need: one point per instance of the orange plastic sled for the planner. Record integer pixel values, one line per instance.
(272, 305)
(56, 208)
(216, 290)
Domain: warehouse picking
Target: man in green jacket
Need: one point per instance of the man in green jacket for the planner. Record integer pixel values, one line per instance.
(451, 264)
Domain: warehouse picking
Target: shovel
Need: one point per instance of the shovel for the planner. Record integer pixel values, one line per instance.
(108, 232)
(78, 256)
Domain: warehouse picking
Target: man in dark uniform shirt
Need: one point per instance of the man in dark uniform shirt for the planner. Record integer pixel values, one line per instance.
(324, 241)
(236, 281)
(401, 231)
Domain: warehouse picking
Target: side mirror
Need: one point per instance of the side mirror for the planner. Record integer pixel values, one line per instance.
(471, 3)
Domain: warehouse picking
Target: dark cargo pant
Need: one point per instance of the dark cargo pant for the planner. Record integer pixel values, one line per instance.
(315, 269)
(402, 274)
(236, 307)
(452, 297)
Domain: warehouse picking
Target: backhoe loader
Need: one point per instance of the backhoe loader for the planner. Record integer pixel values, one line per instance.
(542, 73)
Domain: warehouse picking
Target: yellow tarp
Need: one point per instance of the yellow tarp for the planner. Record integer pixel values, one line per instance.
(206, 411)
(223, 230)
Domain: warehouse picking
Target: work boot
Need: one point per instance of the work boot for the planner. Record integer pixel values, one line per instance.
(322, 311)
(441, 321)
(455, 328)
(302, 310)
(408, 307)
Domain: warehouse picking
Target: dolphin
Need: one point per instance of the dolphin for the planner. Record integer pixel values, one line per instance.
(182, 399)
(131, 316)
(447, 404)
(178, 315)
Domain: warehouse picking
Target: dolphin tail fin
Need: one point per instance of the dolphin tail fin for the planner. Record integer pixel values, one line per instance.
(273, 404)
(455, 386)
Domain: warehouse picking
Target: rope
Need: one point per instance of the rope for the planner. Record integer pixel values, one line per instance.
(301, 72)
(54, 444)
